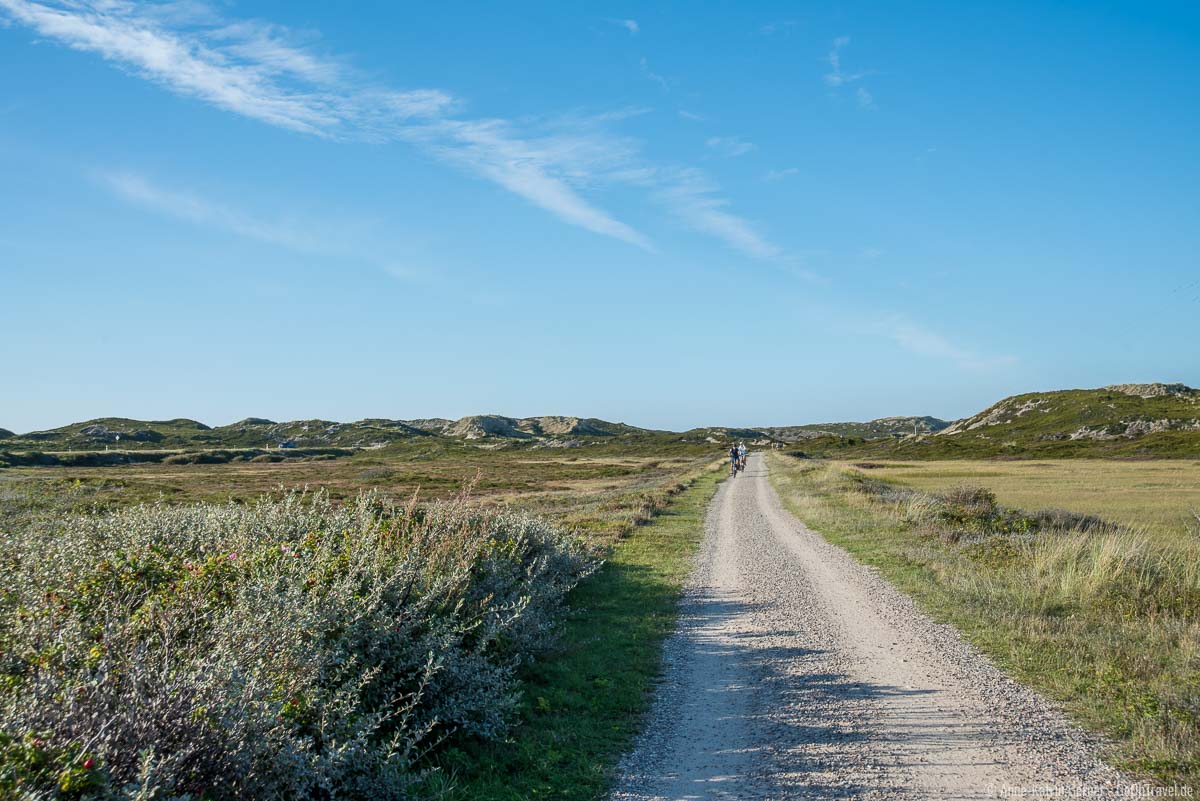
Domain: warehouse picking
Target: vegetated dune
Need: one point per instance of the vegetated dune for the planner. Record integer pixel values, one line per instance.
(1122, 410)
(1149, 420)
(872, 429)
(117, 430)
(260, 432)
(493, 425)
(1126, 420)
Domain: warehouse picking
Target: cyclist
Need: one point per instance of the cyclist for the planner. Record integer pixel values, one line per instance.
(733, 460)
(742, 454)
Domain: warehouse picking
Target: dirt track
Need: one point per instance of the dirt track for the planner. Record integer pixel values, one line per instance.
(798, 673)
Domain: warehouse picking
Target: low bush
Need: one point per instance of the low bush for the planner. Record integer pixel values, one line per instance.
(969, 512)
(284, 649)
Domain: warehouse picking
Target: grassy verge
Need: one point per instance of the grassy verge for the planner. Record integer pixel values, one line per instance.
(582, 705)
(1101, 618)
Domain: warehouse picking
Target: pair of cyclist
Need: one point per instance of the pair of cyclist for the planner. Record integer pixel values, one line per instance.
(737, 458)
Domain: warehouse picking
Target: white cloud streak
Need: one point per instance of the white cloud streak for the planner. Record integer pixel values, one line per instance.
(779, 26)
(630, 25)
(348, 240)
(779, 175)
(246, 68)
(651, 75)
(839, 79)
(923, 342)
(267, 73)
(537, 170)
(692, 197)
(192, 208)
(731, 146)
(835, 76)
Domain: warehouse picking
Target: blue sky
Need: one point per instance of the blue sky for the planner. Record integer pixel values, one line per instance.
(669, 214)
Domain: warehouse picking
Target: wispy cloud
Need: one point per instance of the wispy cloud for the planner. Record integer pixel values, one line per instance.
(779, 175)
(651, 75)
(731, 146)
(192, 208)
(923, 342)
(778, 26)
(345, 239)
(539, 170)
(838, 78)
(692, 116)
(252, 69)
(270, 74)
(246, 68)
(630, 25)
(693, 198)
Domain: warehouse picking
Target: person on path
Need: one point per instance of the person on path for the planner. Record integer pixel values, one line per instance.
(733, 460)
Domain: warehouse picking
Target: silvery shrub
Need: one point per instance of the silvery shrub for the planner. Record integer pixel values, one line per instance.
(289, 648)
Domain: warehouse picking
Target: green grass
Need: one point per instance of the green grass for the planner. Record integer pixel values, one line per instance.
(583, 705)
(1105, 623)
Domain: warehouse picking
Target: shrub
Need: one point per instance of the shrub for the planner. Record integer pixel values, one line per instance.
(970, 501)
(285, 649)
(1063, 520)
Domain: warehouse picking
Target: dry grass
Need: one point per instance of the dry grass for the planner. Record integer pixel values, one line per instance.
(1156, 496)
(598, 493)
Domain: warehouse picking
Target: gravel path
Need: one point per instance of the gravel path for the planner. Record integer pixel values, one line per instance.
(796, 672)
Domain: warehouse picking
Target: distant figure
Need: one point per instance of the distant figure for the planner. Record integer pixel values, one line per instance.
(733, 460)
(742, 454)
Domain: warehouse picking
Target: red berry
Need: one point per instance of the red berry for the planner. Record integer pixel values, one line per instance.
(89, 763)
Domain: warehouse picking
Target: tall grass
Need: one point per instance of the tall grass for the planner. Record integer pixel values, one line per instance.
(1101, 616)
(288, 648)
